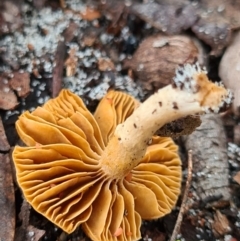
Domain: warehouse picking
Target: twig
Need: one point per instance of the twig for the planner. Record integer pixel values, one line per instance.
(184, 200)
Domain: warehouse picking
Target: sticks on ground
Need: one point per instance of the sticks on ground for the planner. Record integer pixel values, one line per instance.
(184, 199)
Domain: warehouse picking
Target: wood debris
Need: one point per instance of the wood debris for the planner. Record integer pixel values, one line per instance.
(4, 145)
(208, 144)
(7, 199)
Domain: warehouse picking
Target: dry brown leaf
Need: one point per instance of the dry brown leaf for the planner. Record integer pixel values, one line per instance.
(90, 14)
(220, 225)
(157, 57)
(20, 82)
(105, 64)
(8, 99)
(236, 178)
(7, 199)
(4, 145)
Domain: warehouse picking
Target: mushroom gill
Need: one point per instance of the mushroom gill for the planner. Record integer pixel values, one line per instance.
(106, 172)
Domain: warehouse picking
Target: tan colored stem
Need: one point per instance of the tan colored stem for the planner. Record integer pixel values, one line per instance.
(189, 95)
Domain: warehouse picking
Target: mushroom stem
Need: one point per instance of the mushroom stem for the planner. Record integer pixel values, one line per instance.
(191, 93)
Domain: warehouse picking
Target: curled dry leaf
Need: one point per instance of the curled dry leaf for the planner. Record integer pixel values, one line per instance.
(169, 17)
(20, 82)
(8, 99)
(229, 70)
(157, 57)
(7, 199)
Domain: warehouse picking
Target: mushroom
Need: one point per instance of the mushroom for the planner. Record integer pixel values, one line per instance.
(107, 172)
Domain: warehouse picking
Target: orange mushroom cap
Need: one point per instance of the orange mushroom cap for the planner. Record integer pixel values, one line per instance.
(61, 177)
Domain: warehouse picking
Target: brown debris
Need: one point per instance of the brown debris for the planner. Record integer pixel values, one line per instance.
(215, 31)
(169, 17)
(220, 225)
(90, 14)
(68, 35)
(236, 178)
(180, 127)
(34, 234)
(20, 82)
(216, 21)
(7, 199)
(105, 64)
(71, 62)
(90, 37)
(10, 16)
(58, 69)
(21, 232)
(4, 145)
(117, 12)
(156, 59)
(8, 99)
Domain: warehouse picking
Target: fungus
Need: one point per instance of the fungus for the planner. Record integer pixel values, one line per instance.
(107, 172)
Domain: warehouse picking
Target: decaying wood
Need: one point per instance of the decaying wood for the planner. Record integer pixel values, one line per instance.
(7, 200)
(21, 232)
(4, 145)
(210, 164)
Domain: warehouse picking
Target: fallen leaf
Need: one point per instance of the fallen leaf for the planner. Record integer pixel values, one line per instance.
(7, 200)
(90, 14)
(157, 57)
(236, 178)
(105, 64)
(8, 99)
(20, 82)
(220, 225)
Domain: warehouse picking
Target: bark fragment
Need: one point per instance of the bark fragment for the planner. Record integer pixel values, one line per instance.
(7, 199)
(210, 161)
